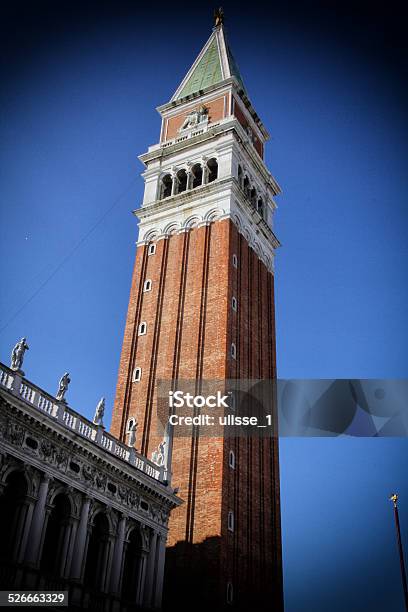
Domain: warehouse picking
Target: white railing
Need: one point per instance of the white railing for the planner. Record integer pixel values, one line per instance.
(193, 132)
(29, 393)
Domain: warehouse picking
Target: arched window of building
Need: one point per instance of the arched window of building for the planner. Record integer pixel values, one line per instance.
(230, 593)
(212, 166)
(181, 181)
(231, 461)
(240, 177)
(252, 197)
(233, 351)
(147, 285)
(151, 249)
(230, 520)
(235, 261)
(234, 303)
(12, 515)
(96, 556)
(260, 207)
(245, 186)
(57, 530)
(131, 566)
(197, 173)
(166, 186)
(142, 329)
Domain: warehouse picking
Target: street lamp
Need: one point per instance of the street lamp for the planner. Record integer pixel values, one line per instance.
(394, 499)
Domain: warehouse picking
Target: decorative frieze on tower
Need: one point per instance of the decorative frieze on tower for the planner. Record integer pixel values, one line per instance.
(202, 307)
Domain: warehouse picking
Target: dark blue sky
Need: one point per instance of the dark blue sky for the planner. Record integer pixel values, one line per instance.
(81, 84)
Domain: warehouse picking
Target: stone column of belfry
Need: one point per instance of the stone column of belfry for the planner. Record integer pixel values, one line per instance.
(208, 253)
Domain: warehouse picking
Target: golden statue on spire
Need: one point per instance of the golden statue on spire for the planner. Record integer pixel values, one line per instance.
(218, 17)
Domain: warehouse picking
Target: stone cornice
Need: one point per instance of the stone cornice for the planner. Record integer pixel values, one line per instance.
(55, 454)
(80, 446)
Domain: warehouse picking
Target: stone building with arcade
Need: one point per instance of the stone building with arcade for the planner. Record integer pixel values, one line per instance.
(80, 511)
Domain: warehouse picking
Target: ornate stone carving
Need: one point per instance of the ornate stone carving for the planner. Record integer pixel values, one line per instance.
(88, 472)
(195, 117)
(100, 481)
(14, 433)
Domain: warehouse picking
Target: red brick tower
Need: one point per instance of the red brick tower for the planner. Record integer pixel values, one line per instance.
(202, 307)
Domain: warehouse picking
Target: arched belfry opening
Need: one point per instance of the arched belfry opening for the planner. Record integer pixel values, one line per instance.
(197, 173)
(166, 186)
(240, 177)
(212, 166)
(181, 181)
(260, 207)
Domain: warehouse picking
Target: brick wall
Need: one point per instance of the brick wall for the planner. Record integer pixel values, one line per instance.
(191, 325)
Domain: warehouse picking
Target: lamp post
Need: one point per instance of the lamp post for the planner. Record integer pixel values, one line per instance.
(394, 499)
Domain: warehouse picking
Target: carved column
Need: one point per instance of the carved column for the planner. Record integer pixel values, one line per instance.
(174, 183)
(23, 525)
(204, 167)
(33, 551)
(118, 557)
(107, 563)
(160, 553)
(68, 536)
(149, 581)
(141, 578)
(71, 544)
(189, 177)
(80, 541)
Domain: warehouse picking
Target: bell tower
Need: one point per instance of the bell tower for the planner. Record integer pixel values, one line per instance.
(202, 307)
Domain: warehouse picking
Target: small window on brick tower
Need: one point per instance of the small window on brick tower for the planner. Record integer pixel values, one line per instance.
(233, 351)
(230, 593)
(230, 520)
(142, 329)
(137, 374)
(152, 249)
(235, 261)
(232, 459)
(147, 285)
(234, 304)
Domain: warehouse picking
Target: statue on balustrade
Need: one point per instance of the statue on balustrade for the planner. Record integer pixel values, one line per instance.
(62, 387)
(17, 354)
(132, 434)
(158, 455)
(99, 413)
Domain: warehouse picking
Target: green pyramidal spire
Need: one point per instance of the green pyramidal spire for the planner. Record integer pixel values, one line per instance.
(214, 63)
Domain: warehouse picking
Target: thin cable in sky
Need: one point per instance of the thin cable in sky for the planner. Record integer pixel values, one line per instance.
(69, 254)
